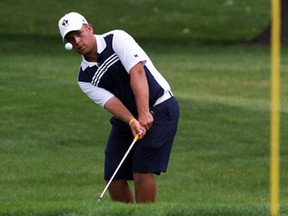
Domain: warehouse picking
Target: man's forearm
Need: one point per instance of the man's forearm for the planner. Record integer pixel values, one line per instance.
(139, 85)
(140, 88)
(117, 108)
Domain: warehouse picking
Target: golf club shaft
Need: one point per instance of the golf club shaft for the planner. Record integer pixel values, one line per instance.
(121, 162)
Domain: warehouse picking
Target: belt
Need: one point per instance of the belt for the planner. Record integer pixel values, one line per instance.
(163, 98)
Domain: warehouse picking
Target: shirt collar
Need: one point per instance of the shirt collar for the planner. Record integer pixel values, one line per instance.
(101, 45)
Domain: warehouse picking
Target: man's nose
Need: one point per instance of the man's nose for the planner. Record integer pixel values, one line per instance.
(76, 39)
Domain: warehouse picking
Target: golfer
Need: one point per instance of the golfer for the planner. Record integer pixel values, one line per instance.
(118, 75)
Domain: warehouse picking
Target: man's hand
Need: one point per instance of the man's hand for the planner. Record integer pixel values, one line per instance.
(146, 120)
(136, 128)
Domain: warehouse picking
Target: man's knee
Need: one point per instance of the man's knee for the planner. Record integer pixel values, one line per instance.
(119, 191)
(142, 177)
(145, 187)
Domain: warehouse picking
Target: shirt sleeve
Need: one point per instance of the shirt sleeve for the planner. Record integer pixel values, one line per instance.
(128, 50)
(97, 94)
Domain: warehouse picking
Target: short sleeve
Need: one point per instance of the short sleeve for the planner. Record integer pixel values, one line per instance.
(128, 50)
(97, 94)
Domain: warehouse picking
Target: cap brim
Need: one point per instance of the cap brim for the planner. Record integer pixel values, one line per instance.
(71, 28)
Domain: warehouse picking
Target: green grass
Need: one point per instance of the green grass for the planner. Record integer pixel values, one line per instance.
(220, 159)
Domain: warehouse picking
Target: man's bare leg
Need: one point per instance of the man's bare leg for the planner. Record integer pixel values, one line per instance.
(119, 191)
(145, 187)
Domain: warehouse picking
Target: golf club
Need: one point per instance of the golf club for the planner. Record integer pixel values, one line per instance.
(121, 162)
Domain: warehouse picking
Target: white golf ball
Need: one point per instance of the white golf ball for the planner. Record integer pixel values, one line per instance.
(68, 46)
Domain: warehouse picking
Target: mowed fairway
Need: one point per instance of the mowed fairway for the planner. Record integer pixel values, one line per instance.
(52, 137)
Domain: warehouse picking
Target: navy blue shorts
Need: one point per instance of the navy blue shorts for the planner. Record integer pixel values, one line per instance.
(150, 154)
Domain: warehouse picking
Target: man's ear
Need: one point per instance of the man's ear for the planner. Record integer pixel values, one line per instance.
(90, 28)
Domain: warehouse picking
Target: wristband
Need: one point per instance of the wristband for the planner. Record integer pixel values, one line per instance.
(131, 121)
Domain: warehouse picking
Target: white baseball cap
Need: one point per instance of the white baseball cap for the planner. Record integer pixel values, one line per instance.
(71, 22)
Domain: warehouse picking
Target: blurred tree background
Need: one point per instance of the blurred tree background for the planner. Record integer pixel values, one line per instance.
(186, 20)
(265, 36)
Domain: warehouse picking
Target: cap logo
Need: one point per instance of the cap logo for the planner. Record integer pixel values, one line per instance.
(65, 22)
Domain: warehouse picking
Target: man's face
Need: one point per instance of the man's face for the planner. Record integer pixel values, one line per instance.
(82, 40)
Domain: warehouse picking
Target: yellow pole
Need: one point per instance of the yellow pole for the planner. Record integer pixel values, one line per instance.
(275, 108)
